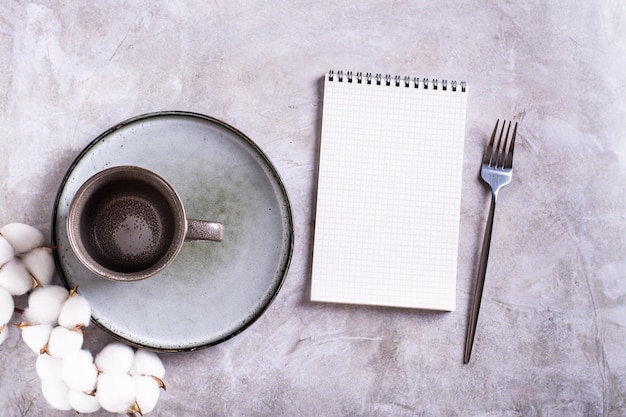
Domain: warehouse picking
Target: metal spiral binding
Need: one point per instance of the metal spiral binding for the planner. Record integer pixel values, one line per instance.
(398, 81)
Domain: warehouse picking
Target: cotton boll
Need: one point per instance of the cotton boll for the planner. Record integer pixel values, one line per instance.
(36, 337)
(64, 342)
(40, 264)
(116, 392)
(6, 306)
(79, 371)
(49, 367)
(147, 392)
(76, 312)
(83, 403)
(56, 393)
(45, 304)
(4, 333)
(147, 363)
(15, 278)
(22, 237)
(115, 358)
(6, 251)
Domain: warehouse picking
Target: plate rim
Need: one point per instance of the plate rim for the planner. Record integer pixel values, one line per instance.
(290, 232)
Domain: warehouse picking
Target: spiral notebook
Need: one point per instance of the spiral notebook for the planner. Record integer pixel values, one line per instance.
(389, 191)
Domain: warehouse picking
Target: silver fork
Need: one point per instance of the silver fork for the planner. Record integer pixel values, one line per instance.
(496, 171)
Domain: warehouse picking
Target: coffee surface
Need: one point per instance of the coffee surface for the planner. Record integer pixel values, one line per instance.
(130, 230)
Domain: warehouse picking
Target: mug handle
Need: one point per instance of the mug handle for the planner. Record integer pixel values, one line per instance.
(204, 230)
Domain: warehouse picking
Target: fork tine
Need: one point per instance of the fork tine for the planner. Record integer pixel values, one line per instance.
(508, 162)
(501, 148)
(489, 150)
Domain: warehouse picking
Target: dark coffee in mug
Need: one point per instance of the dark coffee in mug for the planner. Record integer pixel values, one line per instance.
(127, 223)
(132, 228)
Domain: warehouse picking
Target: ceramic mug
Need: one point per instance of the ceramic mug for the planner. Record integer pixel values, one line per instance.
(126, 223)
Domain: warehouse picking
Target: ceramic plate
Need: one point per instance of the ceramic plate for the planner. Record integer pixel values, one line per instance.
(212, 291)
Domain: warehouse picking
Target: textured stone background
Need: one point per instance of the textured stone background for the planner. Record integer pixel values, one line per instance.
(552, 332)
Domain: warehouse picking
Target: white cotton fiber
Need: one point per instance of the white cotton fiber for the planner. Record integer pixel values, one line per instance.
(76, 312)
(147, 392)
(64, 342)
(6, 306)
(115, 358)
(45, 304)
(147, 363)
(49, 367)
(40, 264)
(56, 393)
(36, 337)
(116, 392)
(83, 403)
(22, 237)
(15, 278)
(6, 251)
(79, 371)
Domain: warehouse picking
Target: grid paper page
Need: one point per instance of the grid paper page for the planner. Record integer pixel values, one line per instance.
(389, 194)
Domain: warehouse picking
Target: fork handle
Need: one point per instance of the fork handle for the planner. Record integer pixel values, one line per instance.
(480, 282)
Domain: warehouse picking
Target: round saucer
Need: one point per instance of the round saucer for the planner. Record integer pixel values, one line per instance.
(213, 290)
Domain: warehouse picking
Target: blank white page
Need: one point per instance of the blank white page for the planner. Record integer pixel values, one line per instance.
(389, 193)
